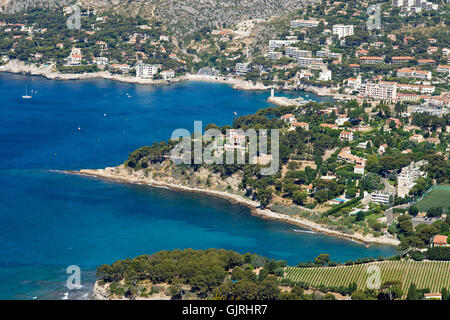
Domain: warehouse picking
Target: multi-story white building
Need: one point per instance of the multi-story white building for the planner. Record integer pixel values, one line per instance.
(342, 30)
(346, 135)
(297, 53)
(371, 60)
(310, 62)
(242, 68)
(328, 54)
(413, 73)
(101, 61)
(168, 74)
(380, 91)
(304, 23)
(379, 197)
(402, 59)
(273, 44)
(147, 71)
(274, 55)
(416, 87)
(408, 176)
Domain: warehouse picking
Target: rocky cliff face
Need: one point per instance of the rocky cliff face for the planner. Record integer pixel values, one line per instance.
(14, 6)
(182, 15)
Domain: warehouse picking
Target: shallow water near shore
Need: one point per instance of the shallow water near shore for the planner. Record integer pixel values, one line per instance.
(50, 220)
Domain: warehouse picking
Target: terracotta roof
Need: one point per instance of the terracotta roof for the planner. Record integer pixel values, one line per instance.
(299, 124)
(440, 239)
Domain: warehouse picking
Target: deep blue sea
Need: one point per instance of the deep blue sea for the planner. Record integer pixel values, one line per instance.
(50, 220)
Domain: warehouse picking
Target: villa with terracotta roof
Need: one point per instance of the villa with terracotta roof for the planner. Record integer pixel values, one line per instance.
(346, 135)
(361, 52)
(288, 118)
(329, 125)
(303, 125)
(397, 122)
(440, 241)
(423, 62)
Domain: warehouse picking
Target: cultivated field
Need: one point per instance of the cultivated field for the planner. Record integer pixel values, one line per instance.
(425, 274)
(438, 197)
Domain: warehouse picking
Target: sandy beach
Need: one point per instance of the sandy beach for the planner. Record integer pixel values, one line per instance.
(112, 174)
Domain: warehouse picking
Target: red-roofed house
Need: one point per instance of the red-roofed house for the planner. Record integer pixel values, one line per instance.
(423, 62)
(440, 241)
(288, 118)
(346, 135)
(303, 125)
(329, 125)
(398, 123)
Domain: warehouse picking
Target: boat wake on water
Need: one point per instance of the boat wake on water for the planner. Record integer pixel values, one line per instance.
(304, 231)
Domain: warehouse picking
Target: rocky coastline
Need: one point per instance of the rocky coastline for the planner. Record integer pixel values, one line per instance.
(121, 175)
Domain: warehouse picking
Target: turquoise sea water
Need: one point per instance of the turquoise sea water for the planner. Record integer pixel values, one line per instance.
(50, 220)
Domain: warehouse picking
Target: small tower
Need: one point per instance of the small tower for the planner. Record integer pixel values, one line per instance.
(272, 92)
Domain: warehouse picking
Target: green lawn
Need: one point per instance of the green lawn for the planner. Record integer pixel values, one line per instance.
(439, 197)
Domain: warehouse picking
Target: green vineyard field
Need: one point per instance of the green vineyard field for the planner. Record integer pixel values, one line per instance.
(425, 274)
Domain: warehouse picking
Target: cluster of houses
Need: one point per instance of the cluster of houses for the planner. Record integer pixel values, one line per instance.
(420, 72)
(143, 71)
(293, 123)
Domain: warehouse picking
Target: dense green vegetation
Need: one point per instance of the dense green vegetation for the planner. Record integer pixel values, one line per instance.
(211, 274)
(292, 180)
(421, 235)
(225, 274)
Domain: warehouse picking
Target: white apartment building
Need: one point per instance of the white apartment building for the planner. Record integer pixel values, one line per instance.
(242, 68)
(380, 91)
(147, 71)
(304, 23)
(328, 54)
(274, 55)
(416, 88)
(413, 73)
(297, 53)
(342, 30)
(408, 177)
(379, 197)
(273, 44)
(310, 62)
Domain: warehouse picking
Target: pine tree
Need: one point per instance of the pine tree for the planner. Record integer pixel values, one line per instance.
(413, 294)
(445, 294)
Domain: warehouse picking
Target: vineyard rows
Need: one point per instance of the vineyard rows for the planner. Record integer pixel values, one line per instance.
(425, 274)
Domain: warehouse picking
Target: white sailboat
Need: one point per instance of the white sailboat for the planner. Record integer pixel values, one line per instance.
(26, 96)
